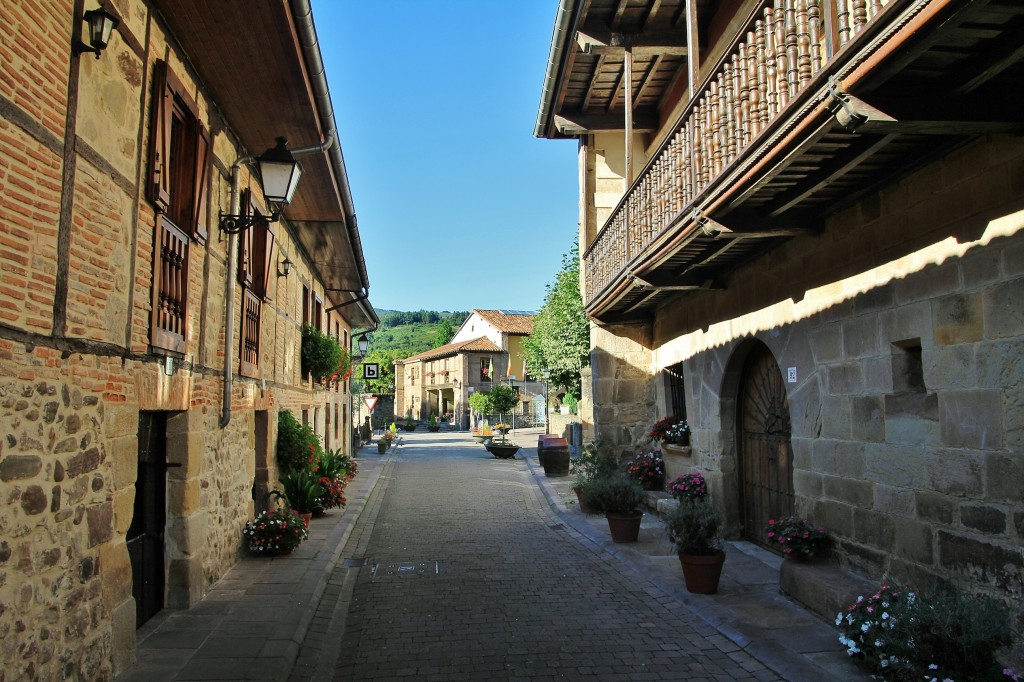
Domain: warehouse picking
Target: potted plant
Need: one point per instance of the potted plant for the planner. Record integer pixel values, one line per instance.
(410, 425)
(274, 532)
(691, 486)
(674, 435)
(502, 448)
(941, 633)
(647, 469)
(300, 491)
(798, 539)
(323, 357)
(594, 462)
(694, 528)
(432, 425)
(619, 498)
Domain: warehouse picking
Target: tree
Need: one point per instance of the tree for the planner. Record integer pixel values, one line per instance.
(560, 341)
(445, 332)
(503, 398)
(481, 403)
(385, 359)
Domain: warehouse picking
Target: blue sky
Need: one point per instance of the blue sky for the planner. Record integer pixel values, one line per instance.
(459, 206)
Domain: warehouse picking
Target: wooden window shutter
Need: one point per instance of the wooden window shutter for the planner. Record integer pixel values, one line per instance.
(265, 251)
(245, 250)
(159, 184)
(200, 187)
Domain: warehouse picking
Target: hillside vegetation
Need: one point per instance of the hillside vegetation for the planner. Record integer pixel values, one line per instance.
(401, 335)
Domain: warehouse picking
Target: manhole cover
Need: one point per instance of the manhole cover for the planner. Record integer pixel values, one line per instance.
(405, 569)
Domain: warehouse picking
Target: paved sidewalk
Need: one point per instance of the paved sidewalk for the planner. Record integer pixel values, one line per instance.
(252, 622)
(748, 609)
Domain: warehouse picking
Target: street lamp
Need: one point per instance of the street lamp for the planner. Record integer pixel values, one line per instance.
(362, 343)
(279, 175)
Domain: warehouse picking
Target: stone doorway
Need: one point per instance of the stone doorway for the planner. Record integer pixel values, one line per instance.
(145, 538)
(765, 452)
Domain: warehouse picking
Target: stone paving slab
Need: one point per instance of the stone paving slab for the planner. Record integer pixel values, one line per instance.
(252, 622)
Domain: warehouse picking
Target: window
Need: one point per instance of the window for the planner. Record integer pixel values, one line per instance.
(675, 390)
(177, 185)
(254, 268)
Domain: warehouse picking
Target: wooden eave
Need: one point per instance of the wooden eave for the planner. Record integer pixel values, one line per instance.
(249, 58)
(590, 96)
(959, 77)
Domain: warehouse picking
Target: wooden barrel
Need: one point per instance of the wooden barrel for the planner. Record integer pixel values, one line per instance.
(540, 447)
(556, 457)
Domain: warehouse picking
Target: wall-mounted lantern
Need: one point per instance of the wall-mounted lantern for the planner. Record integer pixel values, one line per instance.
(101, 25)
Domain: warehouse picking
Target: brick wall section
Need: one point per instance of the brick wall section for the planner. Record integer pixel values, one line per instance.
(919, 471)
(70, 407)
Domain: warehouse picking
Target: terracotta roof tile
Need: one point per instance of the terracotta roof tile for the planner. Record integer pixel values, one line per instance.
(517, 324)
(480, 345)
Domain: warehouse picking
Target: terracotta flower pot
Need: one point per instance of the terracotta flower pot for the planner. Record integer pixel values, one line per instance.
(702, 573)
(306, 518)
(584, 507)
(624, 527)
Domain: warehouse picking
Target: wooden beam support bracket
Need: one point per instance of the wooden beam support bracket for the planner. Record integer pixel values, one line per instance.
(851, 112)
(716, 230)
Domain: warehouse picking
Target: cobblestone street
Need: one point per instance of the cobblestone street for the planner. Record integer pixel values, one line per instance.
(469, 576)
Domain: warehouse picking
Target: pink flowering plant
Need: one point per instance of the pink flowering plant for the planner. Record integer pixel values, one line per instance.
(646, 468)
(944, 635)
(691, 486)
(797, 536)
(275, 531)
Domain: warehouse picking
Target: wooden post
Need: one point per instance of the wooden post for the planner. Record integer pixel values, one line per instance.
(692, 47)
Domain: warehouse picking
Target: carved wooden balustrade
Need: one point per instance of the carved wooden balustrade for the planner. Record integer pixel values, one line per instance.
(788, 43)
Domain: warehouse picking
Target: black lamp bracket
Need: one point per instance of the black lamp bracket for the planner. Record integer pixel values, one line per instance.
(234, 223)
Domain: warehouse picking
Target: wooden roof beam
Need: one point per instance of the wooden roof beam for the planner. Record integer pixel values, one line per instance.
(580, 122)
(653, 42)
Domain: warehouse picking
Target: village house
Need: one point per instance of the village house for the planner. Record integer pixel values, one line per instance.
(801, 229)
(153, 289)
(486, 349)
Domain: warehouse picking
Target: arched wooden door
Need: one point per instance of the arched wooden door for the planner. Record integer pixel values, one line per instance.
(765, 451)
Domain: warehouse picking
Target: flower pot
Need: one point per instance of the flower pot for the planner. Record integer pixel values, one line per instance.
(556, 457)
(319, 513)
(624, 527)
(503, 451)
(382, 447)
(675, 450)
(484, 440)
(306, 518)
(584, 507)
(702, 573)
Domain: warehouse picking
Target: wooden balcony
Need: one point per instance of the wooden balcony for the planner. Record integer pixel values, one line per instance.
(813, 104)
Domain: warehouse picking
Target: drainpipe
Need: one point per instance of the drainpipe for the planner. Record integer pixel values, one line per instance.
(229, 293)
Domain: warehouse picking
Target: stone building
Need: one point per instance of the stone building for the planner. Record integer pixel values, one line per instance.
(486, 348)
(801, 228)
(146, 341)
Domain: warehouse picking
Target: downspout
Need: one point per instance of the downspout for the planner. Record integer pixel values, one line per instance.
(229, 293)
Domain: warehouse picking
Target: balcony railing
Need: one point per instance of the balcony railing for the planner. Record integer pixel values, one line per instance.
(782, 49)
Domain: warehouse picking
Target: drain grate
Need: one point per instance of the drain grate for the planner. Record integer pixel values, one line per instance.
(405, 569)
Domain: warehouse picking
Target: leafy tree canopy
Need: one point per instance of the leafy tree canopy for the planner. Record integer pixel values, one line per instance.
(445, 332)
(560, 341)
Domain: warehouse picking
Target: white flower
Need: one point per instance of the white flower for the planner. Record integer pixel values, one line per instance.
(885, 615)
(839, 618)
(865, 627)
(933, 667)
(849, 619)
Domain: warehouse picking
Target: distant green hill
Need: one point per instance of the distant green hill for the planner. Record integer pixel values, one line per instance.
(411, 332)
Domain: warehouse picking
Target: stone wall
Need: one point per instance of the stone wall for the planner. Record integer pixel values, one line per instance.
(903, 323)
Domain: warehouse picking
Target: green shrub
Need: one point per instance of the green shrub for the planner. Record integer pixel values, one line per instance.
(694, 527)
(614, 494)
(300, 490)
(297, 446)
(323, 357)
